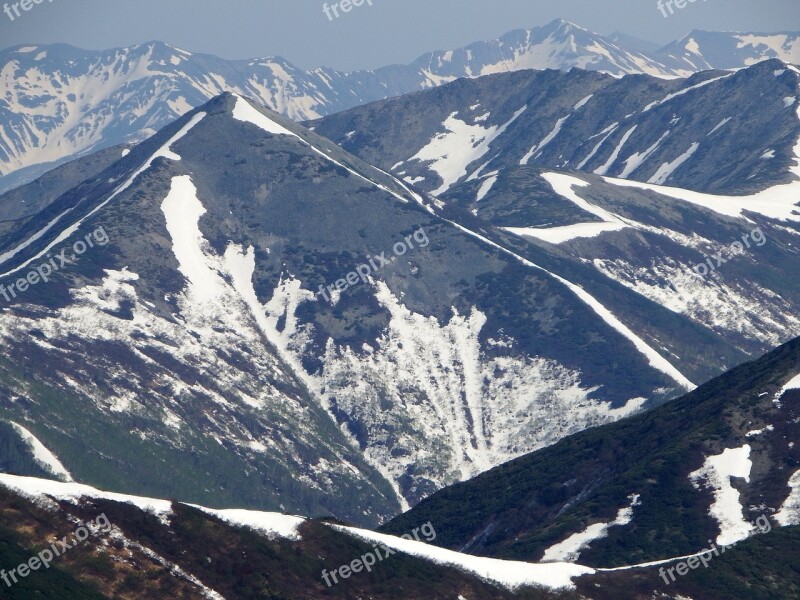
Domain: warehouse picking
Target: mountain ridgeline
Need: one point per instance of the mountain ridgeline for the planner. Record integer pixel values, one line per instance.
(223, 229)
(61, 102)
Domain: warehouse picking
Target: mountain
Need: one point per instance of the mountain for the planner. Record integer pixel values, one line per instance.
(630, 510)
(702, 50)
(138, 547)
(742, 128)
(716, 468)
(60, 102)
(305, 330)
(685, 192)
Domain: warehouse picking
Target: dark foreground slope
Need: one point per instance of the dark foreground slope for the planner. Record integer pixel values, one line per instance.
(526, 506)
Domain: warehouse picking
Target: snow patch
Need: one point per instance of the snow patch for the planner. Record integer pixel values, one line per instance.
(721, 124)
(726, 509)
(549, 138)
(756, 432)
(486, 187)
(564, 185)
(570, 549)
(510, 574)
(666, 170)
(183, 210)
(789, 514)
(451, 152)
(615, 155)
(274, 525)
(43, 457)
(583, 102)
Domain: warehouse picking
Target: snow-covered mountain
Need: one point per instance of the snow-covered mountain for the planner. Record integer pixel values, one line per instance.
(642, 179)
(305, 330)
(57, 101)
(190, 551)
(702, 50)
(627, 511)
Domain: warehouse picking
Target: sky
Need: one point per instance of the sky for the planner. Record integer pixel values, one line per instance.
(387, 32)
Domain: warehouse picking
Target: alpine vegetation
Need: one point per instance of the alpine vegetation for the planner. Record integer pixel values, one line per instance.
(760, 525)
(373, 264)
(43, 272)
(58, 548)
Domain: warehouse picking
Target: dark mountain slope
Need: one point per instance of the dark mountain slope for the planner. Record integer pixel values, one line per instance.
(663, 457)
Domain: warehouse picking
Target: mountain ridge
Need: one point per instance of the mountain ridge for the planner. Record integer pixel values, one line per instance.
(145, 86)
(473, 312)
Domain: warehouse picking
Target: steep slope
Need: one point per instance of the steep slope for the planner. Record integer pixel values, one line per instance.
(29, 199)
(716, 132)
(703, 469)
(725, 258)
(265, 307)
(141, 384)
(59, 101)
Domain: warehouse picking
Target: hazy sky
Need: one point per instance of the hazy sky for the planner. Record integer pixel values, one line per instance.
(389, 31)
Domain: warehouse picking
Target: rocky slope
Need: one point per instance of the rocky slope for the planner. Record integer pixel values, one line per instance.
(264, 307)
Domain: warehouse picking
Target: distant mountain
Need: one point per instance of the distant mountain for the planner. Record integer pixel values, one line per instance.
(220, 296)
(715, 132)
(709, 470)
(59, 101)
(702, 50)
(644, 180)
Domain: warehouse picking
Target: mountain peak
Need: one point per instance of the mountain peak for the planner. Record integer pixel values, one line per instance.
(563, 26)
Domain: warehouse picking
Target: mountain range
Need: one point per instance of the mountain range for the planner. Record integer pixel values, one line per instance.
(551, 313)
(718, 468)
(640, 179)
(708, 482)
(427, 333)
(59, 101)
(469, 348)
